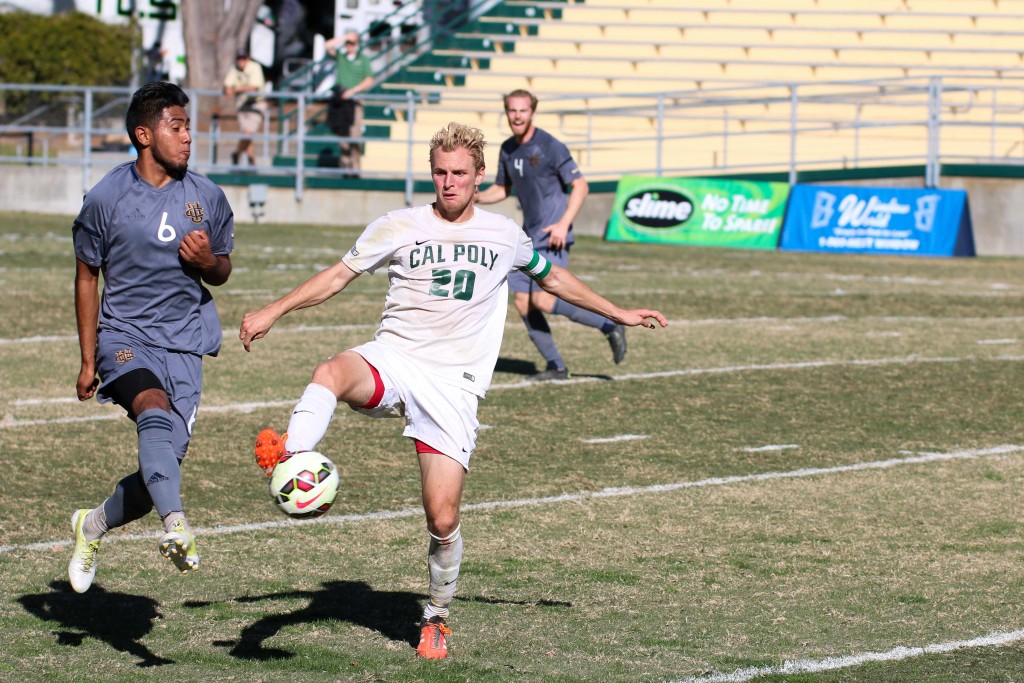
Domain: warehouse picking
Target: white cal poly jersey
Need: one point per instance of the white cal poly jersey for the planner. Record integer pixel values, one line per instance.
(448, 292)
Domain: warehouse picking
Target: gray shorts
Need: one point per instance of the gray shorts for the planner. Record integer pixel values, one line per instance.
(520, 282)
(180, 374)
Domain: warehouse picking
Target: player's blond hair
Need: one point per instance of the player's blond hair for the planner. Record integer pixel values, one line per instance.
(456, 135)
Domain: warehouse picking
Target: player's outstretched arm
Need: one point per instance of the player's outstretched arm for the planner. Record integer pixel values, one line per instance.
(568, 287)
(313, 291)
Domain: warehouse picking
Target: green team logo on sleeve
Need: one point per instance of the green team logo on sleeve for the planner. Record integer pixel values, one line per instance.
(538, 267)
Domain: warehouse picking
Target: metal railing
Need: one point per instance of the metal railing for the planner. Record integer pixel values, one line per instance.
(771, 128)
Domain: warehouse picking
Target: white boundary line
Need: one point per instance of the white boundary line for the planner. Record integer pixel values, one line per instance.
(863, 362)
(611, 492)
(229, 333)
(617, 439)
(802, 666)
(9, 422)
(115, 413)
(768, 448)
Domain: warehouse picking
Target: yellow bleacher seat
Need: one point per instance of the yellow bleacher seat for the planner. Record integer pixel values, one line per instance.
(586, 65)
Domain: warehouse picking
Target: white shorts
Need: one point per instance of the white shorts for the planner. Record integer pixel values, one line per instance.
(438, 414)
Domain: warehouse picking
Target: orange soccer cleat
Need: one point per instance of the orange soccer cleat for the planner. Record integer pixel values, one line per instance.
(432, 639)
(269, 449)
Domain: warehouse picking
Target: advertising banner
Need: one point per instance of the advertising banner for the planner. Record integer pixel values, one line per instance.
(878, 220)
(698, 211)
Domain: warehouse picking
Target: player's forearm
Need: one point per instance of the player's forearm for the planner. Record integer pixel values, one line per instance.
(87, 313)
(218, 273)
(315, 290)
(571, 289)
(494, 193)
(579, 192)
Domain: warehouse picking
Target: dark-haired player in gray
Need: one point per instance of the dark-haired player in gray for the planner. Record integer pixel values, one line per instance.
(539, 167)
(157, 232)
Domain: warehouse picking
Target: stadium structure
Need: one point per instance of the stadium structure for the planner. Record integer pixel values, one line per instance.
(908, 93)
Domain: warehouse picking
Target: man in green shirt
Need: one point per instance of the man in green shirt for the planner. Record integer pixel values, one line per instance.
(353, 75)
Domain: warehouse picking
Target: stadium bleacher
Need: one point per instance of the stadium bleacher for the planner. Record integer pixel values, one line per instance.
(589, 61)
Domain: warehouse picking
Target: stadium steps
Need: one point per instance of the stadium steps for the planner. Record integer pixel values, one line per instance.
(594, 56)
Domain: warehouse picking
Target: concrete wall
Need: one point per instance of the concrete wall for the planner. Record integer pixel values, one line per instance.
(996, 204)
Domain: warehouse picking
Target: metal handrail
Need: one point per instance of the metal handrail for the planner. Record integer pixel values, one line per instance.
(792, 127)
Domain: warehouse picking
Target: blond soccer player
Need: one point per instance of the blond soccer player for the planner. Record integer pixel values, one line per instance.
(432, 357)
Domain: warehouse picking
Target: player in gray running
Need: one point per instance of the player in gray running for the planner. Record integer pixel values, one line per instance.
(157, 232)
(539, 167)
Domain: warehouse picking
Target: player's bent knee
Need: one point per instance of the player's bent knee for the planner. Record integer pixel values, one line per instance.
(151, 399)
(137, 391)
(442, 524)
(348, 375)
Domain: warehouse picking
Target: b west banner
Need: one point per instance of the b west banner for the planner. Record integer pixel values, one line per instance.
(698, 211)
(878, 220)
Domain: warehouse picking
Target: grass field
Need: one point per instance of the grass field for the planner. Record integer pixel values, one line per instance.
(821, 457)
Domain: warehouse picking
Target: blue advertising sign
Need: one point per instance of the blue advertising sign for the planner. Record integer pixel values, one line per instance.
(878, 220)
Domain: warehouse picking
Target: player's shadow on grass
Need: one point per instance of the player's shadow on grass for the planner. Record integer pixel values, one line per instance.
(392, 614)
(118, 619)
(514, 366)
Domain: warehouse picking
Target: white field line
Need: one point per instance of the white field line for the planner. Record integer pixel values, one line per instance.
(769, 367)
(231, 333)
(7, 341)
(610, 492)
(44, 401)
(803, 666)
(115, 414)
(618, 439)
(997, 342)
(768, 448)
(11, 423)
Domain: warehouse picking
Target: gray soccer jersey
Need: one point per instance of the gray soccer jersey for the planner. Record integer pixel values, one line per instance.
(132, 230)
(539, 170)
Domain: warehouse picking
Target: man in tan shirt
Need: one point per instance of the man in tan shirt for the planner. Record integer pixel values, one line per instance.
(244, 82)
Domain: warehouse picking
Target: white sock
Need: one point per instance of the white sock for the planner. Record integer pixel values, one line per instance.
(173, 517)
(443, 560)
(95, 524)
(310, 419)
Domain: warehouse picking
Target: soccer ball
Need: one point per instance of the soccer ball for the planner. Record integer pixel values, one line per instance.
(304, 484)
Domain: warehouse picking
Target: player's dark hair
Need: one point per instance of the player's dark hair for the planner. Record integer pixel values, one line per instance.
(148, 104)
